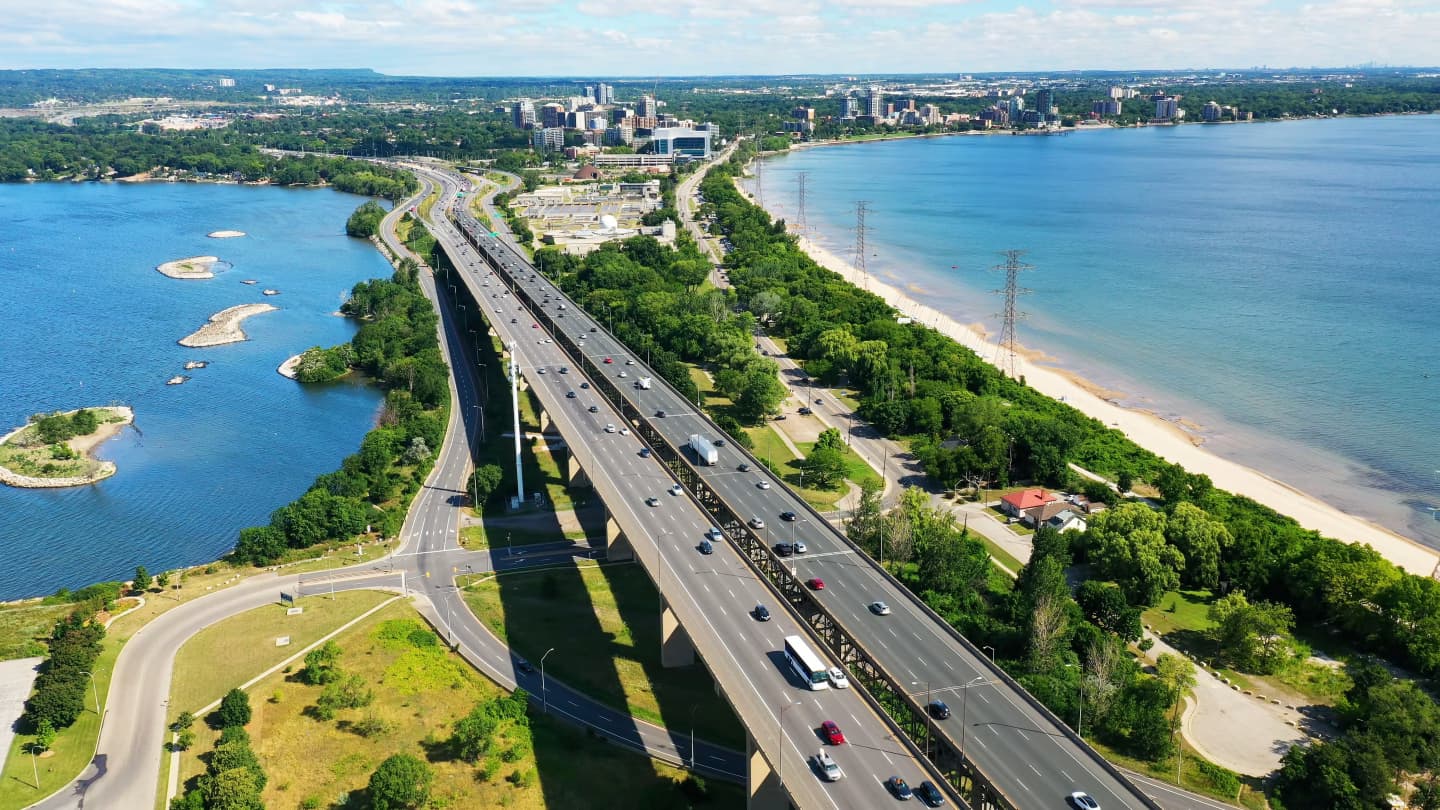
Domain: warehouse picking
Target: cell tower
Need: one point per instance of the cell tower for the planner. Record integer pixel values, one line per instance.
(860, 240)
(800, 179)
(1005, 351)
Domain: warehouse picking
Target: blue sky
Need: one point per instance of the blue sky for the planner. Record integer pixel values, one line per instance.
(674, 37)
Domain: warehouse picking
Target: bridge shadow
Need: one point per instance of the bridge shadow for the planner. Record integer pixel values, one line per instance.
(559, 619)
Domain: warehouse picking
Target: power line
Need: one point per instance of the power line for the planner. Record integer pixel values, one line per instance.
(800, 178)
(1006, 349)
(860, 209)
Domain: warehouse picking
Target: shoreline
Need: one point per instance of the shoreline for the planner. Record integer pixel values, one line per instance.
(81, 444)
(1167, 439)
(225, 326)
(287, 368)
(195, 267)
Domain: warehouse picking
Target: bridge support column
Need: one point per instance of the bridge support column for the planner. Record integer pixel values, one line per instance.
(676, 649)
(763, 790)
(544, 420)
(575, 474)
(617, 545)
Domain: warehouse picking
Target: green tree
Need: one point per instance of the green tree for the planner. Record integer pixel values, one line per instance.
(824, 467)
(183, 721)
(365, 222)
(234, 709)
(473, 734)
(484, 481)
(44, 737)
(162, 580)
(141, 582)
(402, 782)
(1105, 606)
(1178, 675)
(322, 665)
(235, 789)
(1254, 637)
(1201, 540)
(348, 693)
(1127, 544)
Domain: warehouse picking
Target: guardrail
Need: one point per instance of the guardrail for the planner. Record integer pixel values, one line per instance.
(888, 691)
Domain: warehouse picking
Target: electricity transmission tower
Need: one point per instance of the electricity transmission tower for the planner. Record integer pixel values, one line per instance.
(1005, 351)
(800, 179)
(759, 182)
(860, 240)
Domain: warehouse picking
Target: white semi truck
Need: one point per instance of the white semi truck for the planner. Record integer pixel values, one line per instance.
(705, 452)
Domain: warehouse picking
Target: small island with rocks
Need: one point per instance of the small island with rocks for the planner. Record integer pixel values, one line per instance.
(53, 450)
(191, 268)
(224, 326)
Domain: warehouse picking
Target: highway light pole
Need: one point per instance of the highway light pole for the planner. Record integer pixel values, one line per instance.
(992, 653)
(965, 709)
(544, 695)
(780, 733)
(930, 720)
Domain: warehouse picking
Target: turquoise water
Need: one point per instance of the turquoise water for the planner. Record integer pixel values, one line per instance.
(1279, 284)
(86, 320)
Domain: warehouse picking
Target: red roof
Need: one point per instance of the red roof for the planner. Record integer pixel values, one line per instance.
(1028, 498)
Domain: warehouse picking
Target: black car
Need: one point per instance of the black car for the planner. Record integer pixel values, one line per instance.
(743, 468)
(659, 414)
(929, 794)
(594, 328)
(939, 710)
(805, 411)
(706, 548)
(644, 452)
(569, 394)
(584, 385)
(524, 666)
(787, 515)
(762, 613)
(593, 409)
(784, 549)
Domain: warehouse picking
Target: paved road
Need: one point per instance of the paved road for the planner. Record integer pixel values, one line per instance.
(712, 595)
(1024, 750)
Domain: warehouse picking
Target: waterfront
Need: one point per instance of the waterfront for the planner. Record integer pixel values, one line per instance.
(1271, 283)
(86, 321)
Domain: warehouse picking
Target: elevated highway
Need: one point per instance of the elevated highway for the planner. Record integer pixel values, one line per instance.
(1001, 748)
(707, 600)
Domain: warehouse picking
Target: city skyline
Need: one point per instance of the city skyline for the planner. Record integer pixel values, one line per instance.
(752, 37)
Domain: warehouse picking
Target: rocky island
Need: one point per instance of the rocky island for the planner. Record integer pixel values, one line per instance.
(224, 326)
(53, 450)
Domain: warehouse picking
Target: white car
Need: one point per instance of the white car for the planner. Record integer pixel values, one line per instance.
(624, 431)
(622, 374)
(763, 485)
(676, 490)
(609, 428)
(880, 608)
(828, 768)
(838, 679)
(1082, 801)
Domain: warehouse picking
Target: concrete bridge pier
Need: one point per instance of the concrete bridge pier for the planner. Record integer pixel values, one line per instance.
(676, 649)
(763, 790)
(617, 545)
(544, 420)
(574, 473)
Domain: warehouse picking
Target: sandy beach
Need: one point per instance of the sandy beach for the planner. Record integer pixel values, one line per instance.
(1164, 438)
(224, 326)
(193, 267)
(287, 368)
(225, 234)
(80, 444)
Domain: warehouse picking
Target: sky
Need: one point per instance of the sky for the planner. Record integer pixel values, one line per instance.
(697, 37)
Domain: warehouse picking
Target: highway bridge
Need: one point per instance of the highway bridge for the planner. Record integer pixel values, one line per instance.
(707, 599)
(1000, 749)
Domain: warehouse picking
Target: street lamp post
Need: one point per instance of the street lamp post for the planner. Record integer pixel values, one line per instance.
(692, 734)
(992, 653)
(930, 720)
(1080, 690)
(94, 693)
(965, 710)
(544, 696)
(780, 732)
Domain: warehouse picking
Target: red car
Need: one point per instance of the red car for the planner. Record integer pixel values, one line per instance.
(608, 360)
(833, 734)
(534, 326)
(816, 584)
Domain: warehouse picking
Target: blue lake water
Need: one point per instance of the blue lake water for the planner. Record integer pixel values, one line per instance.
(86, 320)
(1279, 284)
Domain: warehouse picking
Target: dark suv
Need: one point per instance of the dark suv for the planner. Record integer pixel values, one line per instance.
(939, 710)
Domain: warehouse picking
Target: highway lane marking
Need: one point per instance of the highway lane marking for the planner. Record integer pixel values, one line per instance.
(1036, 770)
(1023, 785)
(1022, 734)
(1066, 775)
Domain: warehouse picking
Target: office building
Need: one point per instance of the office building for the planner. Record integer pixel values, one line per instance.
(620, 115)
(648, 107)
(930, 114)
(595, 122)
(1211, 111)
(803, 113)
(1106, 107)
(548, 139)
(1167, 108)
(523, 113)
(604, 94)
(620, 135)
(227, 82)
(682, 144)
(1117, 93)
(1045, 102)
(552, 115)
(849, 107)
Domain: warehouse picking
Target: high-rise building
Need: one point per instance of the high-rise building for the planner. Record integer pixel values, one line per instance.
(1117, 92)
(931, 114)
(873, 101)
(648, 107)
(227, 82)
(604, 94)
(1045, 102)
(803, 113)
(849, 107)
(1211, 111)
(1014, 106)
(1106, 107)
(619, 114)
(552, 115)
(1167, 108)
(548, 139)
(682, 143)
(523, 113)
(590, 92)
(620, 135)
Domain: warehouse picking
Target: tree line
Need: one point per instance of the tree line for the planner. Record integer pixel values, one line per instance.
(396, 345)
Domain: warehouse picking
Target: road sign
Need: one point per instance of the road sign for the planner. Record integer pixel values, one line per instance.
(287, 598)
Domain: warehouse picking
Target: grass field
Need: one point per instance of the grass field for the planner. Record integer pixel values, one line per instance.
(1192, 775)
(420, 690)
(594, 616)
(24, 627)
(771, 449)
(1180, 611)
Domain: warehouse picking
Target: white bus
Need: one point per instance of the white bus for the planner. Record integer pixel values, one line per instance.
(806, 663)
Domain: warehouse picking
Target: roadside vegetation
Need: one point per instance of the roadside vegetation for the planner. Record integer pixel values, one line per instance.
(385, 715)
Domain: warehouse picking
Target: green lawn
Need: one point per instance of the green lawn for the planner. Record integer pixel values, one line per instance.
(1180, 611)
(420, 690)
(605, 627)
(1192, 775)
(769, 448)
